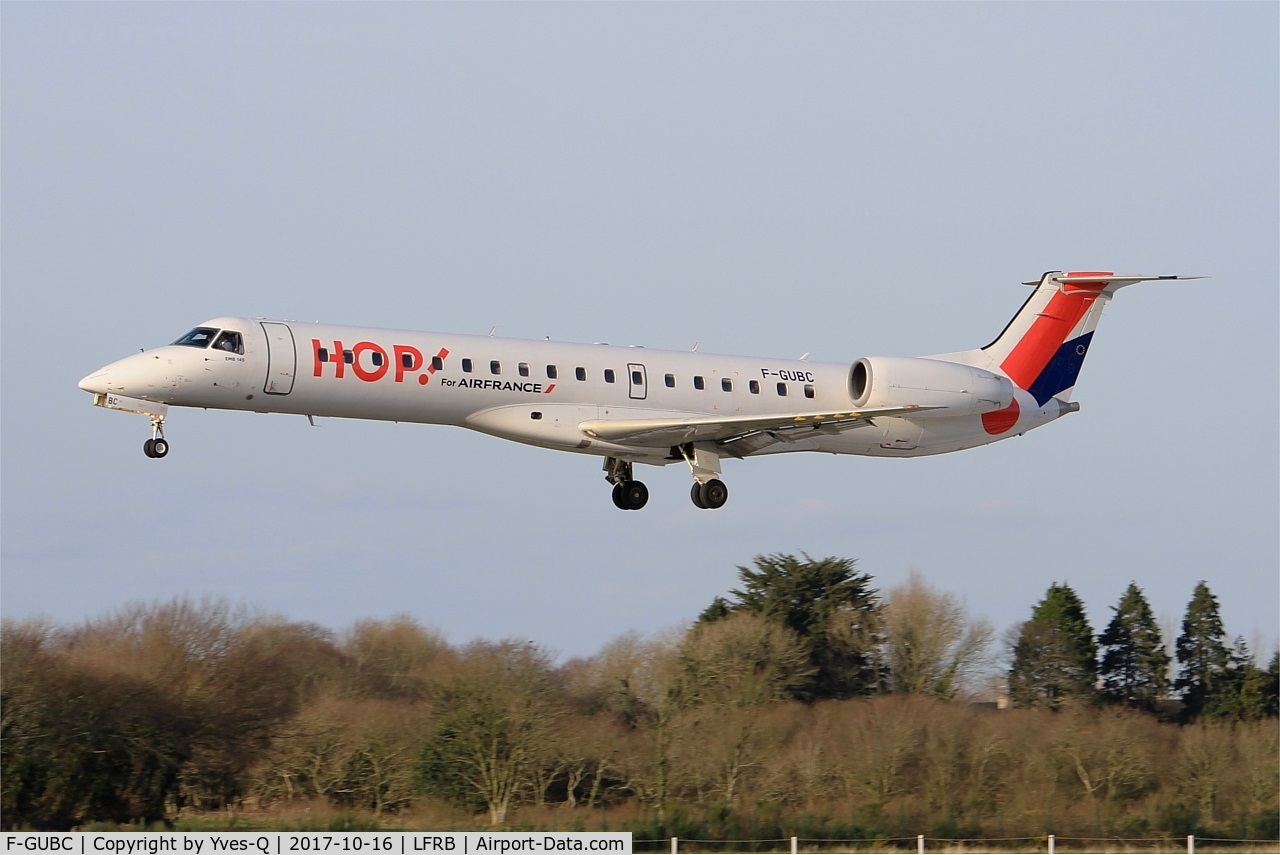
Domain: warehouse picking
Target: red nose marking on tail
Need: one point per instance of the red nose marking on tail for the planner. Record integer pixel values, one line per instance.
(1001, 420)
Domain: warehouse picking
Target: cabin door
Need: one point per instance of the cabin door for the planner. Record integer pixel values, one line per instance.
(282, 359)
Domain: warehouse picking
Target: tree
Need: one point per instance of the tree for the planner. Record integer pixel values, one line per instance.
(1134, 665)
(1202, 652)
(644, 684)
(832, 609)
(931, 644)
(734, 668)
(1244, 691)
(497, 719)
(1054, 655)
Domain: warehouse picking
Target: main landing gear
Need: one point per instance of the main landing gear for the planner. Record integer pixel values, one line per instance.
(708, 492)
(157, 446)
(628, 493)
(710, 495)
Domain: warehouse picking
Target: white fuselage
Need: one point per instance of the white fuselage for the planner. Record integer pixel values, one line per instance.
(631, 404)
(530, 391)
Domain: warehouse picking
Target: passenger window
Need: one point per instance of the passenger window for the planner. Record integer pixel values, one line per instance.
(580, 373)
(754, 387)
(436, 362)
(377, 359)
(348, 357)
(551, 372)
(198, 337)
(406, 359)
(608, 375)
(523, 368)
(495, 367)
(323, 354)
(726, 384)
(670, 381)
(230, 341)
(466, 365)
(782, 389)
(699, 383)
(808, 391)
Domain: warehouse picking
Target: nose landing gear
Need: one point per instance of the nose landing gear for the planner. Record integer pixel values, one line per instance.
(157, 446)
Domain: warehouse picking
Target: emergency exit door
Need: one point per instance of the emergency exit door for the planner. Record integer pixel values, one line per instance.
(639, 388)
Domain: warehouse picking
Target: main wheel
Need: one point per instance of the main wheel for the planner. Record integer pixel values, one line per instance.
(714, 494)
(159, 447)
(149, 448)
(636, 494)
(619, 498)
(696, 495)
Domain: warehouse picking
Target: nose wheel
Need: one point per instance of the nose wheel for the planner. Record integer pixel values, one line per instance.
(157, 446)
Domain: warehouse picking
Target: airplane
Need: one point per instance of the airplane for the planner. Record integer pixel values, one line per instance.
(632, 405)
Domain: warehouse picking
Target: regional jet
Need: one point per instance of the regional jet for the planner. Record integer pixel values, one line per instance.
(631, 405)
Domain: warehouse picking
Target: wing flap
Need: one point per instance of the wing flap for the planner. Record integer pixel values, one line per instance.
(662, 433)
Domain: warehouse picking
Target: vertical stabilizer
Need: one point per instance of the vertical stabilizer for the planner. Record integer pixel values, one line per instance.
(1042, 348)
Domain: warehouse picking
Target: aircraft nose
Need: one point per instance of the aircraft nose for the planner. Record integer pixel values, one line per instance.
(136, 375)
(96, 382)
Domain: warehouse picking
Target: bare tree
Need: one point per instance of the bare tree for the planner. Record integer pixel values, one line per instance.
(932, 645)
(734, 667)
(496, 721)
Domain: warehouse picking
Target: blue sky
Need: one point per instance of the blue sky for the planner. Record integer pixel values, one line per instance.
(841, 179)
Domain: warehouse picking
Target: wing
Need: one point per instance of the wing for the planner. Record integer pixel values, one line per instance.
(664, 433)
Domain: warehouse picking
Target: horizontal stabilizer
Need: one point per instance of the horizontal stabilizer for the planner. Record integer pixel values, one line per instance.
(1103, 281)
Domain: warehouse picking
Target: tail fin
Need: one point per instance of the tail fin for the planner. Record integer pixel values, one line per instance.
(1042, 348)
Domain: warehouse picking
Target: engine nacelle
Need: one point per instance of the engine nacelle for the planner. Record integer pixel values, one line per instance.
(898, 381)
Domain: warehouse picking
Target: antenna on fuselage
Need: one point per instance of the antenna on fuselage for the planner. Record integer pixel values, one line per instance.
(493, 329)
(696, 345)
(805, 357)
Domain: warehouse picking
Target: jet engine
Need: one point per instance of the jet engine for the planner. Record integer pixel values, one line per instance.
(896, 381)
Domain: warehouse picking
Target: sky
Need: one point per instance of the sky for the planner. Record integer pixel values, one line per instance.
(847, 180)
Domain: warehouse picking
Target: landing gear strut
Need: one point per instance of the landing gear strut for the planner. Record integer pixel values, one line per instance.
(157, 446)
(628, 493)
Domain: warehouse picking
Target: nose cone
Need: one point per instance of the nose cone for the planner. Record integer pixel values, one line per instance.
(138, 376)
(96, 382)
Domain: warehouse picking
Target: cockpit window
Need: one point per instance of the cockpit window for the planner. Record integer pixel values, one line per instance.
(198, 337)
(229, 341)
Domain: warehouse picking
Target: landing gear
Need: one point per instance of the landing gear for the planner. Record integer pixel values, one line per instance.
(157, 446)
(628, 493)
(631, 495)
(710, 495)
(708, 492)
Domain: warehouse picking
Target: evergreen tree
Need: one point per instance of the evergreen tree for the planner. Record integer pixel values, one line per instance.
(1244, 691)
(1134, 666)
(1055, 658)
(1271, 688)
(831, 607)
(1202, 652)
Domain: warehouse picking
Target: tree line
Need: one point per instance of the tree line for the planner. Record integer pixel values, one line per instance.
(804, 700)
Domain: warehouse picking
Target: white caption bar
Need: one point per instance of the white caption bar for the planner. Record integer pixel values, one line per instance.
(293, 843)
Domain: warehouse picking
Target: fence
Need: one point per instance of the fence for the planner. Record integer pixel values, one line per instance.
(1045, 843)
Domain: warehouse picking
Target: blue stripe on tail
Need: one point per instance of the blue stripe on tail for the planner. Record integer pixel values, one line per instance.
(1063, 369)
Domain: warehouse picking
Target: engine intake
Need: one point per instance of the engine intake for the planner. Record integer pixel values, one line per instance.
(897, 381)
